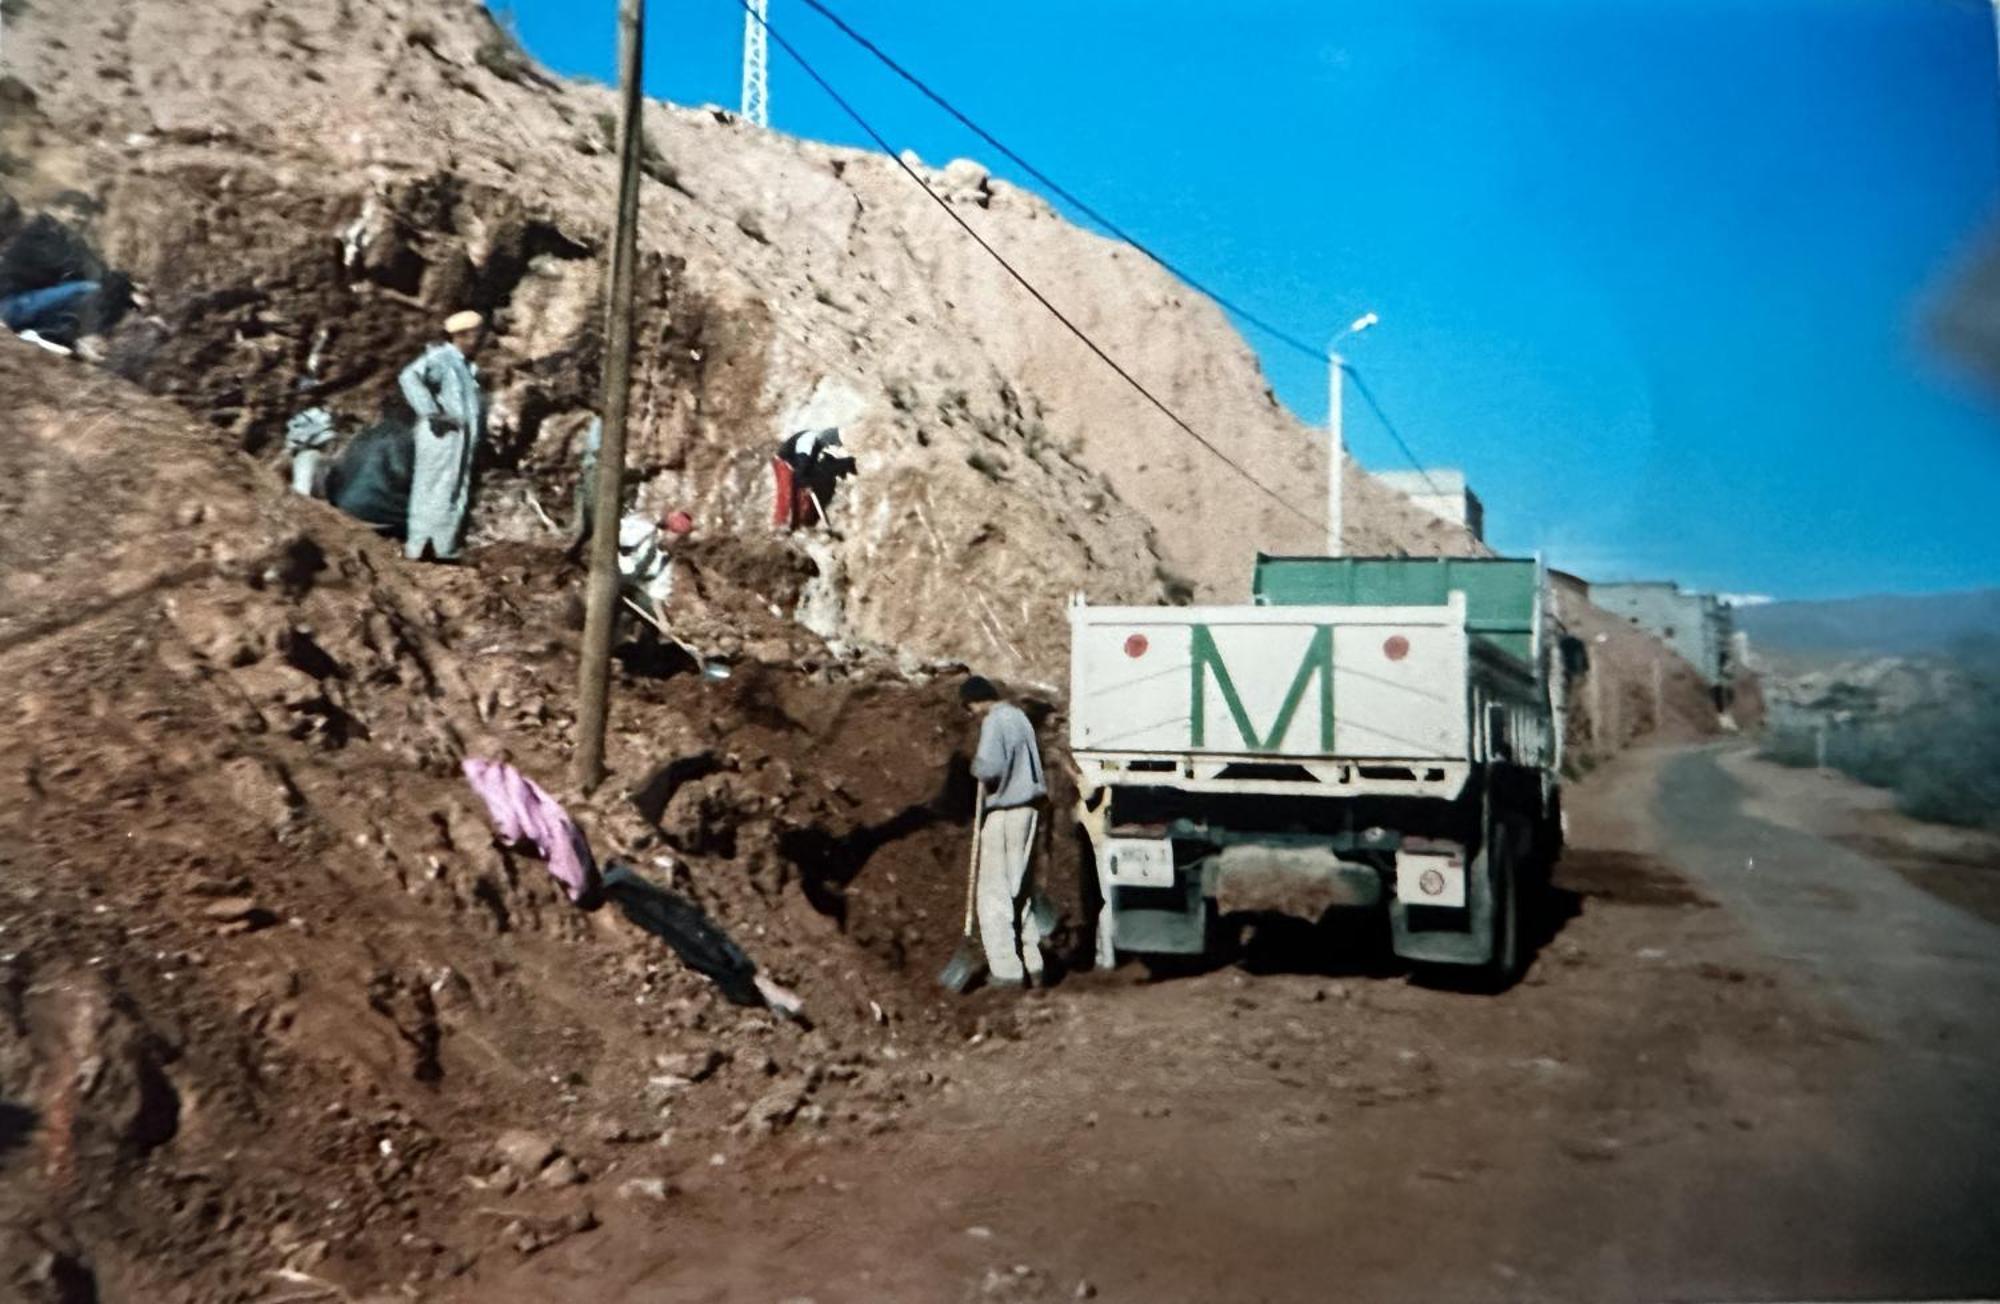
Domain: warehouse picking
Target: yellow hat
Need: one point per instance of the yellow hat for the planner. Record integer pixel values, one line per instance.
(463, 321)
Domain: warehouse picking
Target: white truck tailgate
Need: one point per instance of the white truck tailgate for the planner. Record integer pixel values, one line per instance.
(1312, 682)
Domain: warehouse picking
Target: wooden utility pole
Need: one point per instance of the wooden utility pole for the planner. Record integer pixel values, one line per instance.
(594, 675)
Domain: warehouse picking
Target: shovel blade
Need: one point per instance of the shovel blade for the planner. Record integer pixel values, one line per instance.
(962, 968)
(1043, 912)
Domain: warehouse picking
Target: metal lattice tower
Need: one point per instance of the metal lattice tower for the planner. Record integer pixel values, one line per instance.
(756, 64)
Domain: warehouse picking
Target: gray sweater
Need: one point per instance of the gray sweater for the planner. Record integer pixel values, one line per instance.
(1008, 760)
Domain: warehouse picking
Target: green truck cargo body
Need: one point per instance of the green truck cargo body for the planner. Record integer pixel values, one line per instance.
(1503, 605)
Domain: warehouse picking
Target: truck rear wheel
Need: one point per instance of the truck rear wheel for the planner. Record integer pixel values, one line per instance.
(1503, 968)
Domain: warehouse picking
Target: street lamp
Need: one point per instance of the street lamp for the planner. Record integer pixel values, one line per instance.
(1336, 448)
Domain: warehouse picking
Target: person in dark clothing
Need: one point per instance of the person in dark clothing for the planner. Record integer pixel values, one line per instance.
(54, 284)
(370, 480)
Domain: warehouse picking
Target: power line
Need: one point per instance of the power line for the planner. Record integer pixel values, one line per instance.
(1076, 202)
(1019, 279)
(1113, 228)
(1368, 397)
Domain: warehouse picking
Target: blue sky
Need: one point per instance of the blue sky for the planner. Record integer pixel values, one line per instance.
(1654, 273)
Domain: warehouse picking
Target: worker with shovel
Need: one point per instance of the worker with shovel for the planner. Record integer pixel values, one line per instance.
(1008, 770)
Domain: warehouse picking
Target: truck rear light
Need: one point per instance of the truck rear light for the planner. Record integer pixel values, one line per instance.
(1395, 647)
(1136, 646)
(1431, 877)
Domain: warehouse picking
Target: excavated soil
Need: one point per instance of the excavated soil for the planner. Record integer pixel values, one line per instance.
(275, 993)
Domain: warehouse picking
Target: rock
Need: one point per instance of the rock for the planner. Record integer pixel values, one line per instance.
(529, 1235)
(690, 1065)
(1592, 1149)
(525, 1152)
(1019, 1284)
(776, 1107)
(561, 1171)
(231, 909)
(1086, 1289)
(274, 683)
(964, 179)
(612, 1132)
(661, 1092)
(238, 914)
(644, 1188)
(262, 788)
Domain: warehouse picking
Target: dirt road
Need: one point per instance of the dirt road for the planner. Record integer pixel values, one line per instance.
(1724, 1082)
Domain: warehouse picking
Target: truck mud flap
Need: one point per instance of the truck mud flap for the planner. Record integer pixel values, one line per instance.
(1426, 934)
(1162, 920)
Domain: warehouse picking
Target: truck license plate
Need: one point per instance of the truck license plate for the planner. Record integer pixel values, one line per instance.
(1142, 862)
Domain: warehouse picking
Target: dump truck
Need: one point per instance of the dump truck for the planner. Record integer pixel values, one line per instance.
(1366, 734)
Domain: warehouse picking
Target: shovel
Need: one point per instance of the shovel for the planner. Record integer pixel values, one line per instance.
(965, 962)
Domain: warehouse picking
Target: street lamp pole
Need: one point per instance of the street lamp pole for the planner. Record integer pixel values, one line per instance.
(1336, 454)
(1336, 445)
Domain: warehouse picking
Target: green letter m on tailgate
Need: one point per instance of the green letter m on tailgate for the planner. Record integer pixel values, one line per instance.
(1205, 658)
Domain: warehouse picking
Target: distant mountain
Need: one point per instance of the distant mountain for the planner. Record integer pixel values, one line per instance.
(1875, 626)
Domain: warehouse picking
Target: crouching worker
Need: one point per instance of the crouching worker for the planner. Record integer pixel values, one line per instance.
(804, 472)
(308, 436)
(54, 288)
(1008, 767)
(442, 388)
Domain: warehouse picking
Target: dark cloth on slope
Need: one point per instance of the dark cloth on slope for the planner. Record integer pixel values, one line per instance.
(681, 924)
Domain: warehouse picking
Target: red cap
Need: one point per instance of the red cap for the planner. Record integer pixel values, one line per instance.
(680, 523)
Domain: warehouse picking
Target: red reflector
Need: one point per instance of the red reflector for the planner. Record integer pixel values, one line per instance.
(1396, 648)
(1136, 646)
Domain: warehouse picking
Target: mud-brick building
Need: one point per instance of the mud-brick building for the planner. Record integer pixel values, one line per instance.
(1699, 626)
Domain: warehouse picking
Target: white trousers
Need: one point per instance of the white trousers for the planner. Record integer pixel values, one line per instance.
(1006, 926)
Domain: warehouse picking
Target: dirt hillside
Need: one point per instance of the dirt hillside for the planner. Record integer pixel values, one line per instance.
(306, 192)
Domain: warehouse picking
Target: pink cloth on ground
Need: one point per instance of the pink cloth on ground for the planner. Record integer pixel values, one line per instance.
(522, 812)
